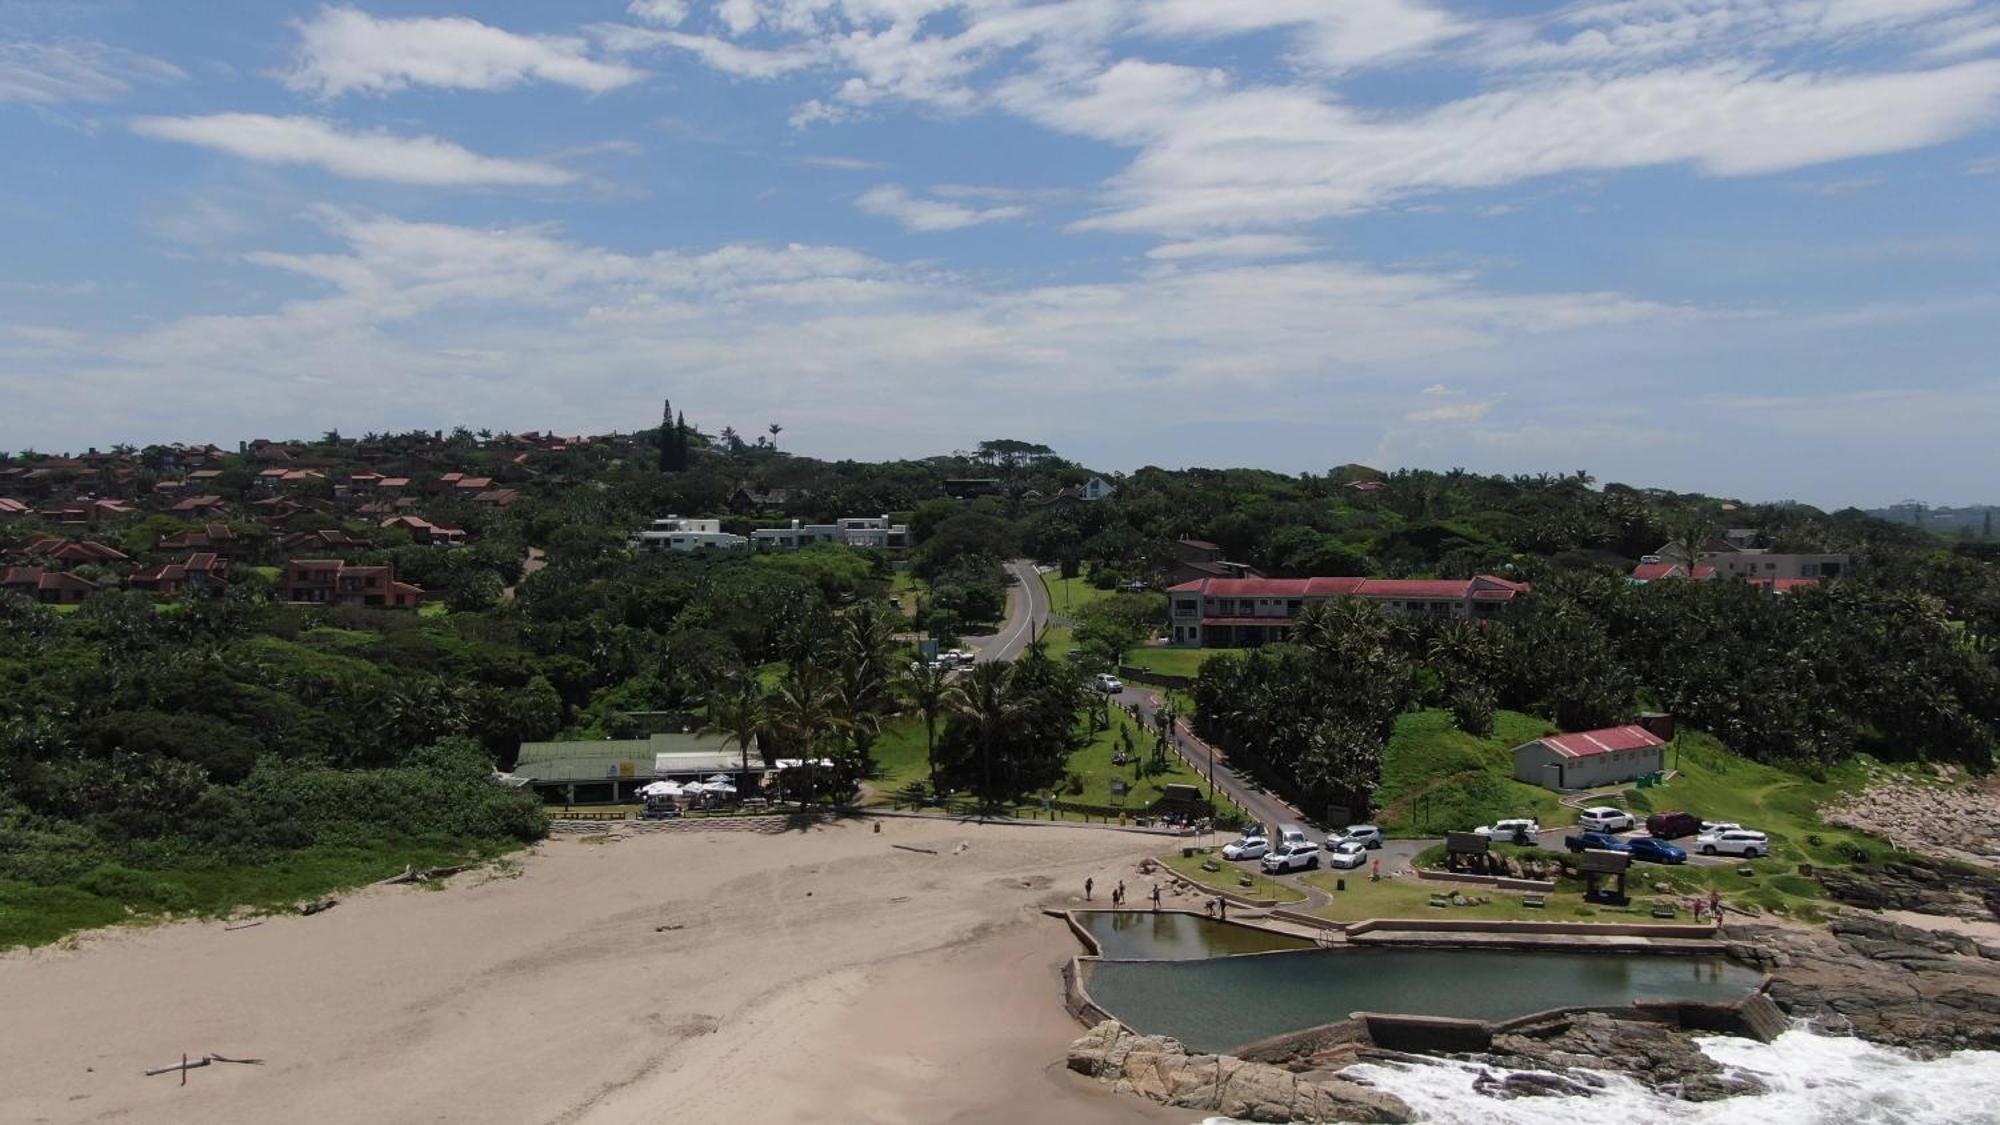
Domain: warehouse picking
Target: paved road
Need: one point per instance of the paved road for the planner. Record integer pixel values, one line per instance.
(1027, 614)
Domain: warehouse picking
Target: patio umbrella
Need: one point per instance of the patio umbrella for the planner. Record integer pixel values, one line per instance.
(722, 787)
(660, 789)
(717, 779)
(695, 788)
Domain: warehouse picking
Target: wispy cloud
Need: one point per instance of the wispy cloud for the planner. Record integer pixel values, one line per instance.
(313, 142)
(343, 50)
(890, 201)
(53, 73)
(839, 163)
(1234, 246)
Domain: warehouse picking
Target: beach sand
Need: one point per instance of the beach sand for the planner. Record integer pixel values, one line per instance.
(816, 976)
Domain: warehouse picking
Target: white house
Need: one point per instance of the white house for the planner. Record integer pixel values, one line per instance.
(863, 532)
(1097, 488)
(1587, 759)
(676, 533)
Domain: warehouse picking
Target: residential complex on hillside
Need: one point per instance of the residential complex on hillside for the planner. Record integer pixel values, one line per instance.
(677, 533)
(1247, 612)
(865, 532)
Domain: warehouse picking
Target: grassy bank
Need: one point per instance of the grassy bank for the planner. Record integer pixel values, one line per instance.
(114, 894)
(1230, 879)
(1437, 778)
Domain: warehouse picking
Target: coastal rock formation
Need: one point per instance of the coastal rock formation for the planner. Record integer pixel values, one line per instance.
(1959, 821)
(1917, 883)
(1159, 1068)
(1885, 982)
(1661, 1057)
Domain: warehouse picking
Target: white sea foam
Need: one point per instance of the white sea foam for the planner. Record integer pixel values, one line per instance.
(1813, 1080)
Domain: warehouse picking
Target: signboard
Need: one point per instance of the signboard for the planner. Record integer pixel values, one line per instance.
(1119, 789)
(1466, 843)
(1606, 863)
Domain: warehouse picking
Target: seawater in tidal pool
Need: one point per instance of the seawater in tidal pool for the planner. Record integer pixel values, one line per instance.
(1134, 935)
(1220, 1003)
(1813, 1079)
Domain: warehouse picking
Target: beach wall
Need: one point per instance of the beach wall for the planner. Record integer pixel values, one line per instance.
(1478, 926)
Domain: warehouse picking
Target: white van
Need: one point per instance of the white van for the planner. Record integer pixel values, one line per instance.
(1291, 834)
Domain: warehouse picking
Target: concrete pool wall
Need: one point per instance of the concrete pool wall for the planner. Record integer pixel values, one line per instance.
(1752, 1014)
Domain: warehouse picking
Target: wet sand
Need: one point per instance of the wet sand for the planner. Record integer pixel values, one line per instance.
(815, 976)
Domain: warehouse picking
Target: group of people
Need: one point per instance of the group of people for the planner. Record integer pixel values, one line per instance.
(1118, 893)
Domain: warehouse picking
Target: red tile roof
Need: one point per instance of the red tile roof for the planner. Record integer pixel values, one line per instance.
(1485, 587)
(1589, 743)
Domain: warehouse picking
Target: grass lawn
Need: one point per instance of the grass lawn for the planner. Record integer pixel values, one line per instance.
(1067, 595)
(1174, 661)
(1437, 778)
(433, 609)
(905, 589)
(1229, 879)
(1410, 897)
(32, 914)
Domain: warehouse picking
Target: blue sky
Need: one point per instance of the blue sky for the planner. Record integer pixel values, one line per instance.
(1744, 246)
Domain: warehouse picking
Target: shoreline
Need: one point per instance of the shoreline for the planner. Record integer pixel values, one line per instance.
(811, 976)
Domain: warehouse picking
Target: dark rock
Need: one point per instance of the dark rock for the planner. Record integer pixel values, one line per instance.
(1155, 1067)
(1657, 1055)
(1885, 982)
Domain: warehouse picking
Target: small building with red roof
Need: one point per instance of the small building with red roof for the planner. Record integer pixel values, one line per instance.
(1591, 758)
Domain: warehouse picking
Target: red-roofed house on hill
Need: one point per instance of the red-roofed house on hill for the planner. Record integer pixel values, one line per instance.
(1588, 759)
(1247, 612)
(49, 587)
(334, 582)
(202, 572)
(1195, 559)
(1655, 571)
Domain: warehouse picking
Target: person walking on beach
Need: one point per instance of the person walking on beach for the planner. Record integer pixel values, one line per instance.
(1088, 884)
(1121, 890)
(1156, 898)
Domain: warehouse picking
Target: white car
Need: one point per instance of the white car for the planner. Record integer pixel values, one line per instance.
(1292, 857)
(1708, 826)
(1518, 829)
(1249, 847)
(1347, 854)
(1604, 818)
(1109, 684)
(1367, 835)
(1736, 841)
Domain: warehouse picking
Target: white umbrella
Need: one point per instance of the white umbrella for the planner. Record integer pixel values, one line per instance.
(660, 789)
(722, 787)
(694, 787)
(717, 779)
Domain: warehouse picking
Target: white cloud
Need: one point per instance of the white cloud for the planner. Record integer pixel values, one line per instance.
(1443, 405)
(52, 73)
(718, 54)
(1234, 246)
(918, 214)
(840, 163)
(342, 50)
(1335, 32)
(667, 12)
(354, 155)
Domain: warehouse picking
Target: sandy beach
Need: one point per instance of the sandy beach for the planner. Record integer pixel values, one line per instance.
(811, 976)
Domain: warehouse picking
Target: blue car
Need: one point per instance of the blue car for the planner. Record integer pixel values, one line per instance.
(1654, 851)
(1595, 841)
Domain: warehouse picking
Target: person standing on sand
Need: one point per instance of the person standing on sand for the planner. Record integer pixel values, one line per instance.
(1121, 890)
(1156, 898)
(1221, 909)
(1088, 884)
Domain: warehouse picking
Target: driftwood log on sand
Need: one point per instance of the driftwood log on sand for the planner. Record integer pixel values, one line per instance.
(413, 874)
(914, 848)
(186, 1064)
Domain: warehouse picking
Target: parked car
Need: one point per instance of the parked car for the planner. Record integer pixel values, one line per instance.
(957, 656)
(1604, 818)
(1109, 684)
(1347, 854)
(1524, 830)
(1291, 834)
(1738, 841)
(1708, 826)
(1292, 857)
(1249, 847)
(1595, 841)
(1367, 835)
(1672, 825)
(1654, 851)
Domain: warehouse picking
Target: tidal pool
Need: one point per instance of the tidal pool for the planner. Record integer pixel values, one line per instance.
(1143, 936)
(1214, 1004)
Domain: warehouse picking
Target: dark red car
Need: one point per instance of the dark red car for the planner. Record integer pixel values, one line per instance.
(1672, 825)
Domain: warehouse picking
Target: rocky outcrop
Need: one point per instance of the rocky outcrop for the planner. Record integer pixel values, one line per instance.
(1947, 819)
(1159, 1068)
(1893, 984)
(1561, 1053)
(1927, 886)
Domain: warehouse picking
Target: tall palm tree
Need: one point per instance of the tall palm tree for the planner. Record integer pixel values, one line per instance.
(736, 711)
(804, 712)
(775, 429)
(928, 690)
(985, 701)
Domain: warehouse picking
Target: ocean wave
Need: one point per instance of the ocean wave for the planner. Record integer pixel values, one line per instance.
(1813, 1080)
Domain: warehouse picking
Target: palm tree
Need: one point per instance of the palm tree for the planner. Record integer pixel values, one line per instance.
(928, 689)
(775, 429)
(985, 701)
(804, 712)
(736, 711)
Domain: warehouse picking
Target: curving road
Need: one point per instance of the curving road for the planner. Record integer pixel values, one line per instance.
(1027, 615)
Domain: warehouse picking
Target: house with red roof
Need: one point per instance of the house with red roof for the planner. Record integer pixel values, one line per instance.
(49, 587)
(1655, 571)
(1247, 612)
(1591, 758)
(202, 572)
(212, 537)
(335, 582)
